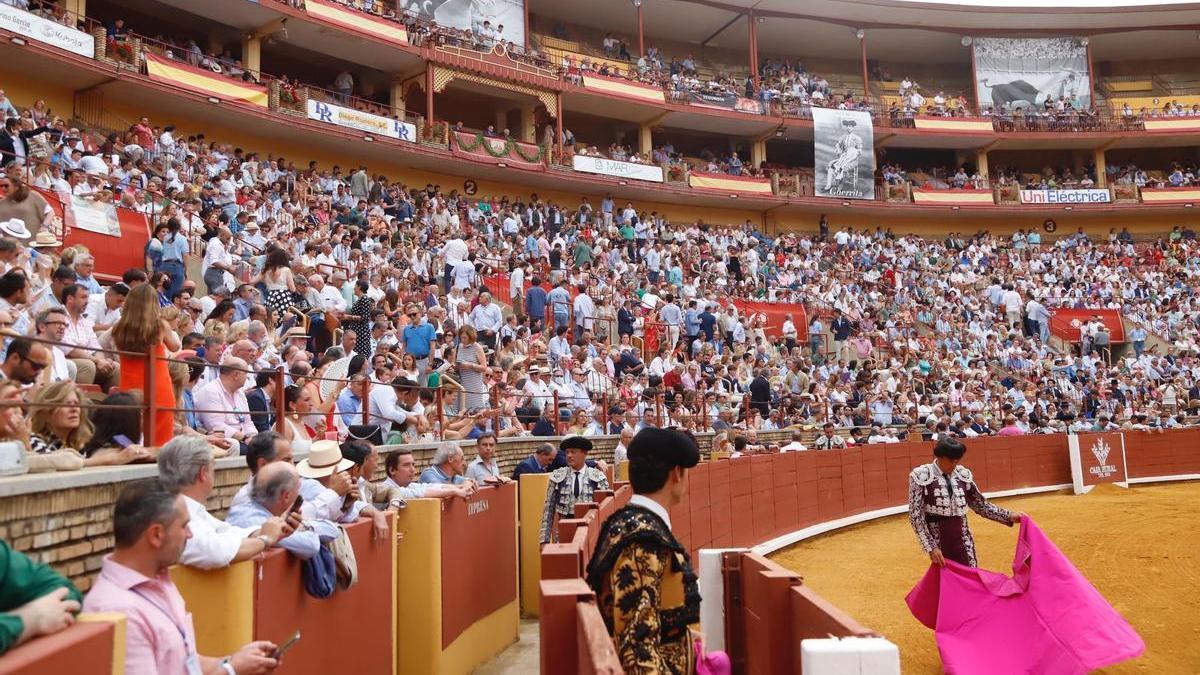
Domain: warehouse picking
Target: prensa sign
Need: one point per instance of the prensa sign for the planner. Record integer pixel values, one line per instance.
(1097, 459)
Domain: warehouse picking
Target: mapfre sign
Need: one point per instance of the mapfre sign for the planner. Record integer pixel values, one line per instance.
(1096, 459)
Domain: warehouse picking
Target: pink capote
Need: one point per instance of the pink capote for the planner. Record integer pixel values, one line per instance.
(1045, 619)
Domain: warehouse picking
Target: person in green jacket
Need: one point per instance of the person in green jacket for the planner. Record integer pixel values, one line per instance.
(34, 599)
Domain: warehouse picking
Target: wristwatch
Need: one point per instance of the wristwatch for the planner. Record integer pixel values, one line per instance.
(265, 540)
(228, 666)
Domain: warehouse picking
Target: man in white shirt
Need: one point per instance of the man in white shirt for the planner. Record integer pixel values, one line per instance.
(105, 309)
(453, 251)
(186, 466)
(487, 319)
(536, 388)
(217, 260)
(391, 407)
(795, 445)
(585, 312)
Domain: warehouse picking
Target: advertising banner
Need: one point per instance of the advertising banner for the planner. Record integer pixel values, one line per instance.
(506, 18)
(95, 216)
(1097, 459)
(362, 121)
(726, 101)
(1091, 196)
(845, 154)
(611, 167)
(952, 196)
(46, 31)
(1016, 73)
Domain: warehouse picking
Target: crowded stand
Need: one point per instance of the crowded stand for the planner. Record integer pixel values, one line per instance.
(905, 335)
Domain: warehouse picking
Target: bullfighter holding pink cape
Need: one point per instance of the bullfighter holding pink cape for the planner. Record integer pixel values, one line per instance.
(1045, 619)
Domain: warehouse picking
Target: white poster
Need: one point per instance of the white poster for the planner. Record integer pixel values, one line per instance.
(356, 119)
(1016, 73)
(505, 19)
(1091, 196)
(44, 30)
(610, 167)
(95, 216)
(845, 153)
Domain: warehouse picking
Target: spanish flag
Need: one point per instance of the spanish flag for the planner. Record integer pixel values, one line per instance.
(1177, 124)
(643, 92)
(1170, 195)
(969, 197)
(204, 82)
(718, 181)
(953, 124)
(356, 21)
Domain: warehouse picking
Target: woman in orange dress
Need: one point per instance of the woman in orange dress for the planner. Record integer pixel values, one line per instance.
(141, 330)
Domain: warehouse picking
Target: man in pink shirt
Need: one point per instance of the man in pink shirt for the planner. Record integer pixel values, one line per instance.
(225, 393)
(150, 528)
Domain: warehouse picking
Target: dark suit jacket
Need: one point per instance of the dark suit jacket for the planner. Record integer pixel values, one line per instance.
(257, 401)
(8, 144)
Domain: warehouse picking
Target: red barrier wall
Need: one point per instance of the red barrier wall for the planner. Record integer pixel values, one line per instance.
(350, 631)
(738, 503)
(479, 557)
(82, 648)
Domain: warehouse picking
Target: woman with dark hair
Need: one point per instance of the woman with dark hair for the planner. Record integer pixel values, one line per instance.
(645, 586)
(939, 494)
(279, 282)
(358, 319)
(117, 437)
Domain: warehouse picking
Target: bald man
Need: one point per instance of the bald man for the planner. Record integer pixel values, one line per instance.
(222, 406)
(273, 491)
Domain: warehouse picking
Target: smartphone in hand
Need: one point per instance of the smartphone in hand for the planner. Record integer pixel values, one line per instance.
(281, 650)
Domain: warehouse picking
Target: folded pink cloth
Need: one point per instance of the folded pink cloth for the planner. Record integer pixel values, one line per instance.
(1045, 619)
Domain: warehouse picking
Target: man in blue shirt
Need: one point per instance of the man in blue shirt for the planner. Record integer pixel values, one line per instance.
(691, 321)
(447, 467)
(708, 324)
(418, 335)
(560, 302)
(349, 402)
(1138, 337)
(273, 492)
(535, 304)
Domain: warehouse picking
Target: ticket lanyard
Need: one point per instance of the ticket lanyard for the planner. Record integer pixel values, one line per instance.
(191, 662)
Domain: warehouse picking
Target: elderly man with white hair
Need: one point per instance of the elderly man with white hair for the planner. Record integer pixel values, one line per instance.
(273, 492)
(447, 468)
(186, 466)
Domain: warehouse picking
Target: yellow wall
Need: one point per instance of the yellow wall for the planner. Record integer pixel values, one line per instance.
(531, 501)
(24, 91)
(222, 605)
(419, 588)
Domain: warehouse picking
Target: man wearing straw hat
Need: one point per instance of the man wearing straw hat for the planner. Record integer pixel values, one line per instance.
(328, 490)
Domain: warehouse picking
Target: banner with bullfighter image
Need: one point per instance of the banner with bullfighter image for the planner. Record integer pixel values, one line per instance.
(1017, 73)
(845, 153)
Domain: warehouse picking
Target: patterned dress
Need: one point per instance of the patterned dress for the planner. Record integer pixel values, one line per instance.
(937, 509)
(646, 591)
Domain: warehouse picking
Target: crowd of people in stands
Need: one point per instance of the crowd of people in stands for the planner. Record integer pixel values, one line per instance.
(635, 330)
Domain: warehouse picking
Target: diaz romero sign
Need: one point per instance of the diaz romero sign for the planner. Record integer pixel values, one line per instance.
(1065, 196)
(1096, 459)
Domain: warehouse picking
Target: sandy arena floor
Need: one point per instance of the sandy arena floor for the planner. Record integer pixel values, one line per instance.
(1140, 548)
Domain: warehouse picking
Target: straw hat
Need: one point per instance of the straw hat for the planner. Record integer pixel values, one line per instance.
(46, 239)
(325, 459)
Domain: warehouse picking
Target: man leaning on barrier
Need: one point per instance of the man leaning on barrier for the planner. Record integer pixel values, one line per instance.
(185, 466)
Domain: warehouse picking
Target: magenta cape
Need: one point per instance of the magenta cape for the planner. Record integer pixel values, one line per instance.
(1045, 619)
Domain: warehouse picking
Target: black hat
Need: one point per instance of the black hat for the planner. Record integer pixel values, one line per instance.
(577, 442)
(667, 446)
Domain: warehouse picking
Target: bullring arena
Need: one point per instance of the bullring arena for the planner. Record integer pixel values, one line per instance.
(332, 323)
(1126, 542)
